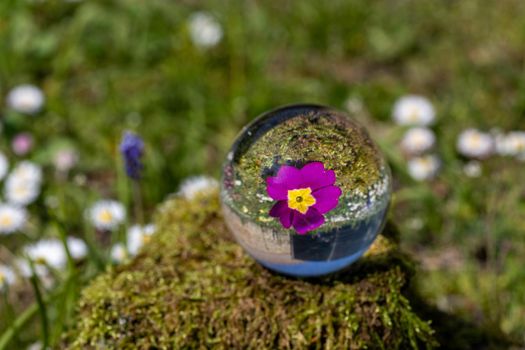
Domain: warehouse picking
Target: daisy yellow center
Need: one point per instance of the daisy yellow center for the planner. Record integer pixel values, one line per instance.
(419, 139)
(146, 239)
(105, 216)
(2, 278)
(413, 114)
(300, 199)
(20, 190)
(5, 220)
(475, 140)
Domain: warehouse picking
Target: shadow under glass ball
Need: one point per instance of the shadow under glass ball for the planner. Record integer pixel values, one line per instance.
(298, 136)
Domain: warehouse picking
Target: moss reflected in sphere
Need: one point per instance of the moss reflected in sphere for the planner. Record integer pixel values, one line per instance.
(297, 136)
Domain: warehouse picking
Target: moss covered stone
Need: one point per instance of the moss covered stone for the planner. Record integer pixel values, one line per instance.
(193, 287)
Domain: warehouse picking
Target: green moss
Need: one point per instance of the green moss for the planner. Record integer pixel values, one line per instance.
(193, 287)
(325, 136)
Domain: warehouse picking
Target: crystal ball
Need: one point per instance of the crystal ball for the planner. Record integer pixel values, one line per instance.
(305, 190)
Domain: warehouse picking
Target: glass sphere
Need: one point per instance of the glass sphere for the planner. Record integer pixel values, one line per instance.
(304, 190)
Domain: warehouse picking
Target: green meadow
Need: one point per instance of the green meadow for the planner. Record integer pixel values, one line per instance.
(107, 66)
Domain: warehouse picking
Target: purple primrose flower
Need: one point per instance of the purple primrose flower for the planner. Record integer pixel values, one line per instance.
(303, 195)
(132, 148)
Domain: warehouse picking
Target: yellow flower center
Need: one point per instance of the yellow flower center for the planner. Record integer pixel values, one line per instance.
(105, 216)
(2, 278)
(413, 114)
(5, 220)
(146, 239)
(475, 140)
(300, 199)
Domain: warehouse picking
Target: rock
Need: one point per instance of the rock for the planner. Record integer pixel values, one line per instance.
(192, 286)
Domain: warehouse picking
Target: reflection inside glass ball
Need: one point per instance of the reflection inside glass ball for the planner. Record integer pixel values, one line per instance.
(305, 191)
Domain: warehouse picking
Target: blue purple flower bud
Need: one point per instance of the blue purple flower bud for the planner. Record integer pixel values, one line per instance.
(132, 149)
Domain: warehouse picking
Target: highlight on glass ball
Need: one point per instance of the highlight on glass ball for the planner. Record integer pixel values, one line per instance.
(305, 191)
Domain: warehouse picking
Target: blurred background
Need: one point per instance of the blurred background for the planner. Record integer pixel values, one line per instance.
(440, 86)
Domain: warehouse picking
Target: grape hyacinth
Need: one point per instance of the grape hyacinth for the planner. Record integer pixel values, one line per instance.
(132, 149)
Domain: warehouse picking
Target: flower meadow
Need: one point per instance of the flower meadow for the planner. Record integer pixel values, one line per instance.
(107, 108)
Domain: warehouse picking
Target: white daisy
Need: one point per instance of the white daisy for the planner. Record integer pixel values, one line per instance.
(118, 253)
(77, 248)
(413, 110)
(12, 218)
(65, 159)
(107, 214)
(4, 165)
(511, 144)
(501, 144)
(24, 268)
(475, 144)
(197, 184)
(138, 236)
(26, 98)
(36, 346)
(354, 105)
(27, 171)
(80, 179)
(7, 276)
(205, 31)
(424, 167)
(20, 192)
(48, 252)
(418, 140)
(472, 168)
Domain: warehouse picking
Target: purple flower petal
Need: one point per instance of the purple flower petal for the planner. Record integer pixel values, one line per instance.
(288, 178)
(276, 190)
(280, 210)
(318, 179)
(315, 176)
(132, 148)
(303, 223)
(326, 198)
